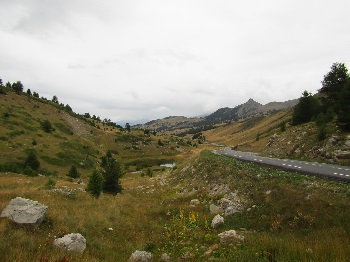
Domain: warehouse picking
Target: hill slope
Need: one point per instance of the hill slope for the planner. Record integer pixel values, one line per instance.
(73, 139)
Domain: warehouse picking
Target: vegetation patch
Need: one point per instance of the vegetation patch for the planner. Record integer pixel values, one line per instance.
(63, 128)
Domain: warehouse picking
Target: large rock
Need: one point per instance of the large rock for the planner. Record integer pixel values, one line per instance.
(140, 256)
(217, 221)
(71, 242)
(25, 212)
(230, 237)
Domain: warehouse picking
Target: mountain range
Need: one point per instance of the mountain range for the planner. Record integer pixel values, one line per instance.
(182, 124)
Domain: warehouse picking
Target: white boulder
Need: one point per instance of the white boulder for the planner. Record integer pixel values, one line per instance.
(71, 242)
(25, 212)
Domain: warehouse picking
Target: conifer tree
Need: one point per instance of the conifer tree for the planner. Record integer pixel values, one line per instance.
(73, 172)
(112, 172)
(32, 161)
(95, 184)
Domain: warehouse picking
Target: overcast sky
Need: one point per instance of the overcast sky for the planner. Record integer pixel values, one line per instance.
(130, 60)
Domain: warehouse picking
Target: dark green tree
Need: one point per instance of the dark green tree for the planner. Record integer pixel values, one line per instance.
(73, 172)
(29, 93)
(95, 184)
(17, 87)
(8, 85)
(334, 81)
(68, 108)
(344, 107)
(46, 126)
(127, 127)
(307, 108)
(35, 94)
(1, 82)
(32, 161)
(54, 99)
(112, 172)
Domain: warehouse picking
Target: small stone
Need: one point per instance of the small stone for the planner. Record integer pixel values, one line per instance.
(140, 256)
(230, 237)
(165, 257)
(195, 202)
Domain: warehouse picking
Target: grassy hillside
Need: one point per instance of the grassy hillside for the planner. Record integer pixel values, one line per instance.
(244, 133)
(283, 217)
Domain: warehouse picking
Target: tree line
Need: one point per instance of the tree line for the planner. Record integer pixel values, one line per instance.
(331, 102)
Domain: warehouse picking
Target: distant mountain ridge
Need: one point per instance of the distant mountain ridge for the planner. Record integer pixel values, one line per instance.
(248, 109)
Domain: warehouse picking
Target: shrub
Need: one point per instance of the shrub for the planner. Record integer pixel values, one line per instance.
(50, 184)
(13, 167)
(5, 114)
(322, 133)
(148, 173)
(28, 171)
(282, 126)
(160, 143)
(46, 126)
(2, 91)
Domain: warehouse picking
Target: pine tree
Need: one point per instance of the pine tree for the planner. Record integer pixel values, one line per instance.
(344, 107)
(73, 172)
(32, 161)
(95, 184)
(307, 108)
(112, 172)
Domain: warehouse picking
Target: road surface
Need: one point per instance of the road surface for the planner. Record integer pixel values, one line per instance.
(336, 172)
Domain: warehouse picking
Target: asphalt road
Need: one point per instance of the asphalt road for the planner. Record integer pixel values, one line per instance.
(336, 172)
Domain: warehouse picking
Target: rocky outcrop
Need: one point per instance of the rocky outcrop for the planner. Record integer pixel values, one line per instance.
(140, 256)
(228, 205)
(25, 212)
(71, 242)
(340, 154)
